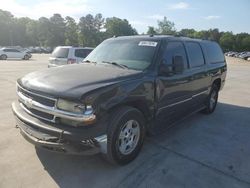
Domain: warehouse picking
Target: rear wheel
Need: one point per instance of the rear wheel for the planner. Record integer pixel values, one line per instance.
(125, 135)
(26, 57)
(212, 100)
(3, 57)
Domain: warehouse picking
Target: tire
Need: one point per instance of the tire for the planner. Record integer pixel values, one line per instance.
(212, 100)
(26, 57)
(3, 57)
(125, 135)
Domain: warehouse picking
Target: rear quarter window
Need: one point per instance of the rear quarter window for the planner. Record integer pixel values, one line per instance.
(82, 53)
(213, 52)
(61, 52)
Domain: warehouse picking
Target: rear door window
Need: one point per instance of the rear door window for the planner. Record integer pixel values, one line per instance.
(195, 54)
(61, 53)
(82, 53)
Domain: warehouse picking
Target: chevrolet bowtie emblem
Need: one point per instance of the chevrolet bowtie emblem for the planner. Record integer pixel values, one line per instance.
(28, 103)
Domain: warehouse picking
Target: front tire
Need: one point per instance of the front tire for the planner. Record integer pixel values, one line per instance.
(3, 57)
(212, 100)
(125, 135)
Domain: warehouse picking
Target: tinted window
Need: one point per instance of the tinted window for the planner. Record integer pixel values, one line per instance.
(14, 50)
(175, 49)
(213, 52)
(195, 54)
(132, 53)
(7, 50)
(82, 52)
(60, 52)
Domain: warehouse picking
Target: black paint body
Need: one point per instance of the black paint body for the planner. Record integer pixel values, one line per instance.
(163, 99)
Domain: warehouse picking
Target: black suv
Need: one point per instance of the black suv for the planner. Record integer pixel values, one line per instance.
(127, 86)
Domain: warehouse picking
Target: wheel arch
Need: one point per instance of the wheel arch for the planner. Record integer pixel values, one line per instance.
(140, 105)
(217, 82)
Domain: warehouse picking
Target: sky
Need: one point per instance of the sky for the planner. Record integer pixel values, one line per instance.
(227, 15)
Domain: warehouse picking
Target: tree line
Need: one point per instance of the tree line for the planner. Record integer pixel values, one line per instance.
(90, 30)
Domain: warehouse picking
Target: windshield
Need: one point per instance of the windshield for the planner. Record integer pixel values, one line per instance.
(60, 52)
(130, 53)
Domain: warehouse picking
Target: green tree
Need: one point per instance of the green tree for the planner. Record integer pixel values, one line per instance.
(202, 35)
(32, 33)
(57, 30)
(118, 27)
(246, 43)
(6, 22)
(90, 27)
(187, 33)
(44, 31)
(71, 32)
(239, 41)
(151, 30)
(166, 27)
(214, 34)
(227, 41)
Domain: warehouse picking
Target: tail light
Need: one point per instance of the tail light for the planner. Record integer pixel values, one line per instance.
(71, 61)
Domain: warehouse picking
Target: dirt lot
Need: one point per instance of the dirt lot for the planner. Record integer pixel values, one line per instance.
(203, 151)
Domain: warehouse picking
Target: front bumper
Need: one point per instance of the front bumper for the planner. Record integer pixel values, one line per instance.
(60, 138)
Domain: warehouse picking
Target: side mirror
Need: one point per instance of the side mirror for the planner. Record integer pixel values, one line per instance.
(178, 64)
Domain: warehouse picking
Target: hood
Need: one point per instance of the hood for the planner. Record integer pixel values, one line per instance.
(72, 81)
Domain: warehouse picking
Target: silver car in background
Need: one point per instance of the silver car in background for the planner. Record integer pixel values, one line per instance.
(63, 55)
(12, 53)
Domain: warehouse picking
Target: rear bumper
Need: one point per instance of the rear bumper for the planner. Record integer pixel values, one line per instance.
(56, 138)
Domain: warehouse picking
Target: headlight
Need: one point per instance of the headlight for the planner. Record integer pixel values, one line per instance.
(70, 106)
(86, 113)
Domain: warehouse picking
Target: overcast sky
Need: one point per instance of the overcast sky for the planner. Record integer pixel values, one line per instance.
(223, 14)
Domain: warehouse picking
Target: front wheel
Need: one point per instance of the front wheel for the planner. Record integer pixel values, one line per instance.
(125, 135)
(3, 57)
(212, 100)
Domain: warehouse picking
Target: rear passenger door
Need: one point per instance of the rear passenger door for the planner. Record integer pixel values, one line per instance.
(200, 79)
(173, 93)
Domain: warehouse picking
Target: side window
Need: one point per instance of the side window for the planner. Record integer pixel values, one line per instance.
(174, 49)
(214, 52)
(80, 53)
(6, 50)
(195, 54)
(14, 50)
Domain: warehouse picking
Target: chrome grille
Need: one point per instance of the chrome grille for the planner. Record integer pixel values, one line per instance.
(45, 108)
(25, 97)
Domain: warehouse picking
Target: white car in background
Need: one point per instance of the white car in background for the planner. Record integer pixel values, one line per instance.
(63, 55)
(12, 53)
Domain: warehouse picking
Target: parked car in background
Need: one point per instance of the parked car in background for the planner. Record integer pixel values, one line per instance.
(63, 55)
(244, 55)
(231, 54)
(12, 53)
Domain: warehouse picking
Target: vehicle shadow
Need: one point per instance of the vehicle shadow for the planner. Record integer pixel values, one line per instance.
(21, 60)
(219, 140)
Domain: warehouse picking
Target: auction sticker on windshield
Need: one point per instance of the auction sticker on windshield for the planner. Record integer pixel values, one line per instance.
(147, 43)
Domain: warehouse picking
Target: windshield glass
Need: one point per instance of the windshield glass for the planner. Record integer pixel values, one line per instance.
(60, 52)
(131, 53)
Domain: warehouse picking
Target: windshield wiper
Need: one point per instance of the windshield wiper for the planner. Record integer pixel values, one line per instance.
(116, 64)
(88, 61)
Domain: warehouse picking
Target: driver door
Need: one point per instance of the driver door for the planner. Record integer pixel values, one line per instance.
(173, 93)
